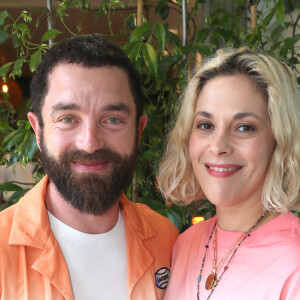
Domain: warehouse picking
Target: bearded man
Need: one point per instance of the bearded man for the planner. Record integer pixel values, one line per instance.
(75, 235)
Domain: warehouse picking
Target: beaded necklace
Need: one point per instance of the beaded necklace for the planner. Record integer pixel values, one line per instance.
(212, 280)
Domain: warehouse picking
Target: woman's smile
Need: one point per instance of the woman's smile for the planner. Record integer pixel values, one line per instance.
(222, 170)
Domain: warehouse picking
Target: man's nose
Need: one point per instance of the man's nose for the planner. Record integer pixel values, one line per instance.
(90, 138)
(221, 143)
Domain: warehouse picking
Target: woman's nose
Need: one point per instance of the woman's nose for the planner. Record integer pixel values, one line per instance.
(221, 143)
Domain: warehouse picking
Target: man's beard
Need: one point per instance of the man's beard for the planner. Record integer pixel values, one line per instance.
(91, 193)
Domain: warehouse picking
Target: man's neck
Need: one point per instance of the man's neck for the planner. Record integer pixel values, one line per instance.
(83, 222)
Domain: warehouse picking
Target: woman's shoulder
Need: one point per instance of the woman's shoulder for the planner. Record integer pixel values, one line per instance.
(281, 234)
(288, 223)
(196, 232)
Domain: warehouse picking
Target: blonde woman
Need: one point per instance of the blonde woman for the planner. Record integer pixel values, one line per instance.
(237, 143)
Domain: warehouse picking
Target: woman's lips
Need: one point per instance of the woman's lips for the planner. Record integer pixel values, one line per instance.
(222, 170)
(90, 166)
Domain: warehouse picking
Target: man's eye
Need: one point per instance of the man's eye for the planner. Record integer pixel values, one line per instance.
(246, 128)
(67, 120)
(113, 120)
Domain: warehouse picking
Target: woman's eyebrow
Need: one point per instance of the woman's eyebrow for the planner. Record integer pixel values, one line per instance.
(243, 115)
(204, 114)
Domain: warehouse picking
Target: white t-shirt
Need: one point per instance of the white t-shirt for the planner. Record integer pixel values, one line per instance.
(97, 263)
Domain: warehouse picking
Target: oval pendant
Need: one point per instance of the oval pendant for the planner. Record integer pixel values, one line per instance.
(209, 284)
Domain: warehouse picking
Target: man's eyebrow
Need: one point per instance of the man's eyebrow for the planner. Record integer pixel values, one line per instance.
(62, 106)
(118, 107)
(243, 115)
(73, 106)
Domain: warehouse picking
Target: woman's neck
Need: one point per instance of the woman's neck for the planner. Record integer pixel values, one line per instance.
(235, 219)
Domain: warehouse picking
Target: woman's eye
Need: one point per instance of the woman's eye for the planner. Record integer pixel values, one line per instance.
(246, 128)
(205, 126)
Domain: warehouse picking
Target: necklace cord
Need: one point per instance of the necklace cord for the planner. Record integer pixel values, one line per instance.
(212, 281)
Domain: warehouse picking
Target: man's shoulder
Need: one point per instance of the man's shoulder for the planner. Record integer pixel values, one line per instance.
(6, 222)
(153, 216)
(147, 217)
(7, 216)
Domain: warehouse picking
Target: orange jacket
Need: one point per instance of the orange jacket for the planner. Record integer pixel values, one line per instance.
(32, 265)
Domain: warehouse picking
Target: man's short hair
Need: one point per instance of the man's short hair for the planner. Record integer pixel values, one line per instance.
(89, 51)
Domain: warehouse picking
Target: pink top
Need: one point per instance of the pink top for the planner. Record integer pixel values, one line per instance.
(265, 267)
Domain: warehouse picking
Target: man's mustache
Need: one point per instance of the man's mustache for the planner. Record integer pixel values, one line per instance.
(104, 154)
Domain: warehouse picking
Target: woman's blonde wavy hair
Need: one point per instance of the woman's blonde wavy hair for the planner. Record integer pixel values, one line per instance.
(177, 180)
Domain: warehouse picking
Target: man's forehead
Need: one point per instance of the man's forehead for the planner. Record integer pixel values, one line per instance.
(69, 66)
(64, 75)
(64, 93)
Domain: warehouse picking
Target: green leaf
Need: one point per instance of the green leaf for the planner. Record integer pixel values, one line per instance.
(14, 157)
(150, 57)
(16, 42)
(140, 31)
(16, 196)
(3, 36)
(24, 29)
(9, 187)
(13, 139)
(3, 16)
(276, 32)
(27, 125)
(268, 18)
(130, 23)
(164, 12)
(173, 38)
(132, 50)
(30, 146)
(160, 34)
(150, 154)
(5, 68)
(202, 34)
(275, 46)
(169, 60)
(154, 204)
(50, 34)
(35, 59)
(175, 218)
(293, 61)
(160, 5)
(280, 12)
(204, 50)
(17, 70)
(5, 127)
(161, 74)
(288, 45)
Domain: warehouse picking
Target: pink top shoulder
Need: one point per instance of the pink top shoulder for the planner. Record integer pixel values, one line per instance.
(266, 265)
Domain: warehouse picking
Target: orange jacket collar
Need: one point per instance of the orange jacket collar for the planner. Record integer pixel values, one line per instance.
(31, 228)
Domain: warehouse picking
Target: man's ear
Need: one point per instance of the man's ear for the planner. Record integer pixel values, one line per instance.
(33, 119)
(142, 124)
